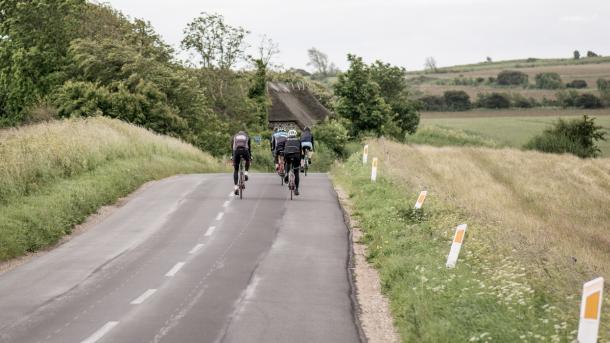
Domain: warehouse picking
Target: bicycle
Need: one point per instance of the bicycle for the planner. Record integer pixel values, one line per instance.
(281, 171)
(291, 181)
(305, 164)
(241, 184)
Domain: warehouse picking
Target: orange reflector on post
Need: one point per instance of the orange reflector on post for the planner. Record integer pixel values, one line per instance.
(590, 311)
(374, 170)
(420, 200)
(456, 246)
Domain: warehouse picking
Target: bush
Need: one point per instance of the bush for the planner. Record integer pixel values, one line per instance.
(457, 100)
(520, 101)
(512, 78)
(548, 81)
(493, 100)
(432, 103)
(567, 98)
(333, 133)
(577, 84)
(576, 137)
(589, 101)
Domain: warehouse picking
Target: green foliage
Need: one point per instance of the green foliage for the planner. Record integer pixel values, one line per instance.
(360, 100)
(33, 50)
(432, 103)
(457, 100)
(548, 81)
(577, 84)
(578, 137)
(521, 101)
(567, 98)
(375, 99)
(219, 45)
(588, 101)
(393, 87)
(334, 134)
(603, 86)
(493, 100)
(512, 78)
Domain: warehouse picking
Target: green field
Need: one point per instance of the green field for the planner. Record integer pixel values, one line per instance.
(513, 131)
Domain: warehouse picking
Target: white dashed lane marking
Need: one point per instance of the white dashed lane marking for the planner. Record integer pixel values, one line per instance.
(226, 204)
(196, 248)
(175, 269)
(143, 297)
(210, 231)
(101, 332)
(220, 215)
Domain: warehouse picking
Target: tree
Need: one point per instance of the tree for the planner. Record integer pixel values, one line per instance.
(457, 100)
(576, 54)
(319, 62)
(266, 50)
(218, 44)
(359, 99)
(488, 59)
(548, 80)
(35, 36)
(591, 54)
(603, 86)
(512, 78)
(578, 137)
(430, 65)
(393, 89)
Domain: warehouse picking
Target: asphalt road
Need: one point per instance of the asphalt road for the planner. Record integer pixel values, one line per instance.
(184, 261)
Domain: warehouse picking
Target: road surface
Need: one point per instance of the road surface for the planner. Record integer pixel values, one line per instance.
(184, 261)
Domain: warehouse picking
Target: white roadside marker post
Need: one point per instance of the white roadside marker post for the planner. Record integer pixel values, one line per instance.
(590, 310)
(365, 154)
(420, 200)
(456, 246)
(374, 170)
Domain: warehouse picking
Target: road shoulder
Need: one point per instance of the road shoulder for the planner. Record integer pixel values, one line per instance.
(373, 307)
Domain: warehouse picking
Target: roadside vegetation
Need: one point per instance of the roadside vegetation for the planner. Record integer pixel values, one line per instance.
(537, 230)
(513, 129)
(53, 175)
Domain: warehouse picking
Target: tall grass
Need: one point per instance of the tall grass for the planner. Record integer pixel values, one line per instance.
(538, 228)
(53, 175)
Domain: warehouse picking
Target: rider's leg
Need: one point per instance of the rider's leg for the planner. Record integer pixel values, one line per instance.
(296, 176)
(247, 158)
(236, 159)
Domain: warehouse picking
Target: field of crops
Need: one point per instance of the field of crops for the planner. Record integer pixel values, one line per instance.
(512, 128)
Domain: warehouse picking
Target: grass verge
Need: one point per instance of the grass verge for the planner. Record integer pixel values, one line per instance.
(55, 175)
(515, 279)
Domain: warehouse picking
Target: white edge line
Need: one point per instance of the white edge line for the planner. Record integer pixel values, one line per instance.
(175, 269)
(101, 332)
(210, 231)
(196, 248)
(143, 297)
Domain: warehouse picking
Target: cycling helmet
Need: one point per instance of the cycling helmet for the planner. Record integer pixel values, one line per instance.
(292, 133)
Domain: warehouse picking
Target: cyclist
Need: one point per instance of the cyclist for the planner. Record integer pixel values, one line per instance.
(240, 146)
(292, 157)
(307, 144)
(277, 145)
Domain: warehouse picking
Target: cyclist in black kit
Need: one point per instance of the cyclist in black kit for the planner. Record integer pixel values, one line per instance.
(240, 145)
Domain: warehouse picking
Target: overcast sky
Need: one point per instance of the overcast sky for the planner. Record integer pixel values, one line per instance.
(402, 32)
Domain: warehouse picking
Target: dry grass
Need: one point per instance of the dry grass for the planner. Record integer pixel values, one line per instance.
(32, 156)
(551, 213)
(550, 207)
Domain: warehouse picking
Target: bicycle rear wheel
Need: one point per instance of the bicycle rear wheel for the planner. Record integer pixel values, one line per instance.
(241, 185)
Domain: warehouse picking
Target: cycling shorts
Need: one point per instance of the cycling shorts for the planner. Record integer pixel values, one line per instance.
(307, 145)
